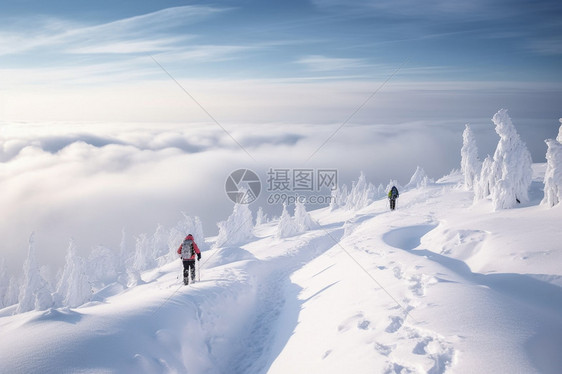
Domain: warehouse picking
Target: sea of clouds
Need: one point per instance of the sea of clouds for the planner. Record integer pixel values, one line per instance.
(90, 181)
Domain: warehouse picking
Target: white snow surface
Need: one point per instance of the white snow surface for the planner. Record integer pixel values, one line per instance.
(440, 285)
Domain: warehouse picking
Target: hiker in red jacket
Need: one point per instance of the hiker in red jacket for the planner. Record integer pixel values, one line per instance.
(187, 251)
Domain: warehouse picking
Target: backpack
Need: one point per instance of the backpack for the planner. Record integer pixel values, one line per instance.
(187, 250)
(394, 192)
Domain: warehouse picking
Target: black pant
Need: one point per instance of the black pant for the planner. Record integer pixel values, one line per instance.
(392, 204)
(189, 264)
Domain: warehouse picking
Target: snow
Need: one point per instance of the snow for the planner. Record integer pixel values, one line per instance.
(470, 163)
(442, 284)
(287, 226)
(237, 229)
(419, 179)
(507, 178)
(553, 174)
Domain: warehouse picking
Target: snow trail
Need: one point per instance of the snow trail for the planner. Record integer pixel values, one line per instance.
(437, 286)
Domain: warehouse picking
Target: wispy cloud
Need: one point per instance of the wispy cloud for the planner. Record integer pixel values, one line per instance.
(324, 63)
(144, 33)
(548, 45)
(431, 9)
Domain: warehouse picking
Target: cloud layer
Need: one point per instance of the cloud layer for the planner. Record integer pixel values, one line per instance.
(89, 181)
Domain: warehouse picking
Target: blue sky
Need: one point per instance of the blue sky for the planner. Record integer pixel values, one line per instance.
(441, 40)
(65, 49)
(370, 80)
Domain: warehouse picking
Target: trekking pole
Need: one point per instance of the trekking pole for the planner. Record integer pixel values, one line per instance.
(198, 272)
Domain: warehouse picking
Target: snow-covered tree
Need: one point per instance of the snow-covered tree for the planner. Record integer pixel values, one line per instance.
(74, 288)
(470, 163)
(12, 293)
(361, 194)
(4, 283)
(188, 225)
(143, 256)
(287, 226)
(509, 176)
(483, 183)
(238, 228)
(418, 179)
(553, 174)
(160, 242)
(261, 217)
(35, 293)
(338, 197)
(303, 220)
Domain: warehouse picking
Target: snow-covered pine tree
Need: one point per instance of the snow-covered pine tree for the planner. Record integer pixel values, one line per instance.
(361, 194)
(509, 175)
(514, 165)
(238, 228)
(159, 244)
(418, 179)
(483, 183)
(261, 217)
(74, 288)
(103, 266)
(303, 220)
(4, 283)
(35, 293)
(188, 225)
(286, 226)
(470, 163)
(553, 174)
(143, 257)
(11, 296)
(338, 197)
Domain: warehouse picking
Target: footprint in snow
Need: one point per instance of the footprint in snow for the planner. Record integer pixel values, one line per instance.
(395, 325)
(398, 272)
(383, 349)
(357, 319)
(395, 368)
(417, 285)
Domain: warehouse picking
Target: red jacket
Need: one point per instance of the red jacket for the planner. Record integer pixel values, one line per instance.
(195, 247)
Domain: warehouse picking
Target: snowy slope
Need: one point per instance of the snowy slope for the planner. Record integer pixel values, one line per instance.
(438, 286)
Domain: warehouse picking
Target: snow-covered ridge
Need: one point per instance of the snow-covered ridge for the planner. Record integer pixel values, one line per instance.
(439, 285)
